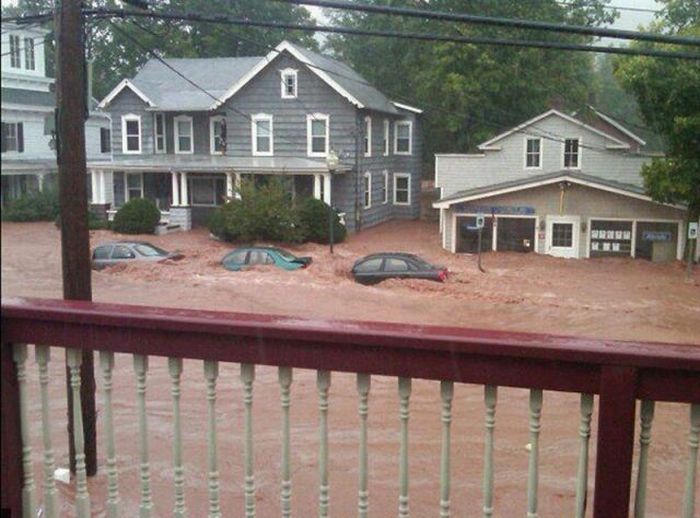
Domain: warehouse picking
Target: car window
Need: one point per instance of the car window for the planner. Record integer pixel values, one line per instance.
(371, 265)
(286, 255)
(122, 252)
(237, 257)
(102, 252)
(150, 250)
(269, 259)
(259, 257)
(395, 265)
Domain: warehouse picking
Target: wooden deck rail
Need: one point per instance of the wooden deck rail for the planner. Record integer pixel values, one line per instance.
(619, 372)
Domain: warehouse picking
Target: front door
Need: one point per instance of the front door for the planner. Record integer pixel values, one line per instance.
(563, 236)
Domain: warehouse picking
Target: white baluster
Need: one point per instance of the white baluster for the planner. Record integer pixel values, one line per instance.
(19, 355)
(285, 380)
(175, 369)
(490, 397)
(107, 367)
(446, 393)
(43, 356)
(646, 416)
(323, 383)
(584, 432)
(211, 373)
(74, 358)
(141, 369)
(533, 467)
(404, 413)
(247, 377)
(693, 442)
(363, 385)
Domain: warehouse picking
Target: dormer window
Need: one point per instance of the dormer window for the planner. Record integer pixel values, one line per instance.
(572, 151)
(29, 61)
(533, 153)
(289, 83)
(183, 135)
(131, 134)
(15, 59)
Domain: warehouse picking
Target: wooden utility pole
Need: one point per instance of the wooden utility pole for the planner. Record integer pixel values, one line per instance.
(72, 191)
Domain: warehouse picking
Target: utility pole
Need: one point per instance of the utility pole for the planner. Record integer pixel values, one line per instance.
(72, 192)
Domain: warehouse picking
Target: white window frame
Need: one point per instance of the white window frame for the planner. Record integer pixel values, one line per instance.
(261, 117)
(408, 178)
(126, 185)
(129, 117)
(29, 54)
(367, 139)
(156, 149)
(367, 191)
(284, 74)
(176, 133)
(15, 137)
(386, 143)
(15, 51)
(310, 118)
(212, 137)
(525, 153)
(385, 192)
(580, 153)
(410, 137)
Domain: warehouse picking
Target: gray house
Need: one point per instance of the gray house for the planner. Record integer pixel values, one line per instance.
(184, 134)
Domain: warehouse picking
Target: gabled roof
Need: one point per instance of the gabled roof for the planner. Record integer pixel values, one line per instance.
(618, 126)
(125, 83)
(625, 189)
(489, 144)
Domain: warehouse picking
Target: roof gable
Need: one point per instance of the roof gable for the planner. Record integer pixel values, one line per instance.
(125, 83)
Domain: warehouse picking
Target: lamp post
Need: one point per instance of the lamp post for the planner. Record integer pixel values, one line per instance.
(332, 163)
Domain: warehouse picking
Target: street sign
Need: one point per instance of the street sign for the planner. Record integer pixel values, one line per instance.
(693, 230)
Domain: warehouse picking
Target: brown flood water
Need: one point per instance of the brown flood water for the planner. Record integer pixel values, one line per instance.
(622, 299)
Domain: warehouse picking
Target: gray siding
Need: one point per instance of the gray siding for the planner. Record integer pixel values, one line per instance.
(127, 102)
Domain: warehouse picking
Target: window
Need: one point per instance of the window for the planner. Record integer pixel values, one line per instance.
(217, 135)
(134, 186)
(533, 153)
(150, 250)
(259, 257)
(262, 135)
(385, 187)
(183, 134)
(207, 190)
(122, 252)
(370, 265)
(317, 134)
(29, 62)
(562, 234)
(131, 134)
(403, 140)
(402, 189)
(15, 60)
(237, 257)
(368, 136)
(571, 153)
(385, 142)
(102, 252)
(289, 83)
(392, 264)
(13, 137)
(105, 140)
(368, 190)
(159, 132)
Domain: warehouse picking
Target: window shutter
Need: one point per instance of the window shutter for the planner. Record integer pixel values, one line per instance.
(4, 137)
(20, 137)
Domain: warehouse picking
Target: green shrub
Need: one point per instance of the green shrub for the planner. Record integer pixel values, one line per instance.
(138, 216)
(313, 216)
(34, 206)
(262, 213)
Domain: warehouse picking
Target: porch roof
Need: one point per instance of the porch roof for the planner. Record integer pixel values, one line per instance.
(30, 166)
(220, 164)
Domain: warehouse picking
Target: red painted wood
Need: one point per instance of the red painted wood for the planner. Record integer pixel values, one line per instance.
(613, 470)
(11, 447)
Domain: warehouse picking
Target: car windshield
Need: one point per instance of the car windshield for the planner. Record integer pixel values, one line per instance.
(286, 255)
(150, 250)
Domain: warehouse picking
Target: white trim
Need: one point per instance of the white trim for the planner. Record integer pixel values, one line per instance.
(155, 134)
(385, 199)
(367, 191)
(526, 139)
(386, 142)
(408, 177)
(127, 118)
(367, 137)
(619, 126)
(488, 144)
(317, 117)
(212, 139)
(176, 133)
(27, 107)
(572, 252)
(461, 155)
(283, 84)
(579, 153)
(261, 117)
(125, 83)
(410, 137)
(407, 107)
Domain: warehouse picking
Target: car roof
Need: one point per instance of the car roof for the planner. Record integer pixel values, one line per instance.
(402, 255)
(125, 242)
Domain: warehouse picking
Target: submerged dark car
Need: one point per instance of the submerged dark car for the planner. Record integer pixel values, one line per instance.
(108, 254)
(245, 257)
(396, 265)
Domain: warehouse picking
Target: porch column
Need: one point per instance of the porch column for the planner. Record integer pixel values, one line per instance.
(229, 185)
(93, 183)
(40, 181)
(183, 190)
(101, 187)
(317, 186)
(327, 188)
(174, 187)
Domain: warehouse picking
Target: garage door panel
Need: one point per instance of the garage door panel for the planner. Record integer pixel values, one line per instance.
(610, 238)
(515, 234)
(467, 240)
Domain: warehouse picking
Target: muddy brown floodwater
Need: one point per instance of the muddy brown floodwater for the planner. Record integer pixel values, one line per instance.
(607, 298)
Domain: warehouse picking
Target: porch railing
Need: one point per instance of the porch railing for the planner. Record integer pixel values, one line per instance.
(620, 373)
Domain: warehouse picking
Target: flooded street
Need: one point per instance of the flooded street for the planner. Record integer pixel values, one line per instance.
(607, 298)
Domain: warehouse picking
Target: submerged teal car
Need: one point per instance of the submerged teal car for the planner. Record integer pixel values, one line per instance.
(242, 258)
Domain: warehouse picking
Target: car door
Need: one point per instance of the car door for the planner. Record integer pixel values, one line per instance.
(369, 270)
(395, 268)
(101, 256)
(121, 254)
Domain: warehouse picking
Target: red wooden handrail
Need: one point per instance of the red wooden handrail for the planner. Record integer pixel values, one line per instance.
(619, 371)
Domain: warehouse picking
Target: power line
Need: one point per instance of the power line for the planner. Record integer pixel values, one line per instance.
(612, 7)
(499, 21)
(42, 42)
(192, 17)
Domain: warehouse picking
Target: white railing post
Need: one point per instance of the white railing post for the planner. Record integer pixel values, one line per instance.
(175, 369)
(323, 382)
(646, 416)
(533, 465)
(107, 367)
(693, 442)
(446, 394)
(43, 356)
(141, 369)
(74, 359)
(584, 432)
(404, 414)
(247, 377)
(211, 373)
(490, 398)
(285, 381)
(19, 355)
(363, 386)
